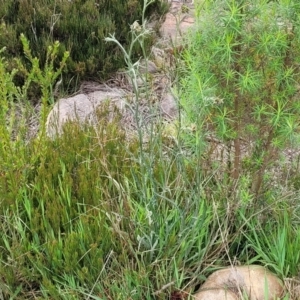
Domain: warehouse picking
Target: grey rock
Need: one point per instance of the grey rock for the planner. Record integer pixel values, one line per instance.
(178, 21)
(81, 108)
(160, 57)
(169, 106)
(147, 67)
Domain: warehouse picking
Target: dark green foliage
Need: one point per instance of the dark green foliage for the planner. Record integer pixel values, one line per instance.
(79, 26)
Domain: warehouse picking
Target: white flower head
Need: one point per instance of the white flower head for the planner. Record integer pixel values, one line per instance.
(136, 27)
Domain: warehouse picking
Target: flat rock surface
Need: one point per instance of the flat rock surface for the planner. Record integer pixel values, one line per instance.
(178, 20)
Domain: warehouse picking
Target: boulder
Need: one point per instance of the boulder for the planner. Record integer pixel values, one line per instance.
(252, 282)
(168, 106)
(216, 294)
(81, 108)
(178, 20)
(147, 66)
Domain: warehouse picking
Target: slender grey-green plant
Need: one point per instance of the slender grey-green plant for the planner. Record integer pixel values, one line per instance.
(138, 36)
(139, 33)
